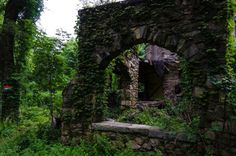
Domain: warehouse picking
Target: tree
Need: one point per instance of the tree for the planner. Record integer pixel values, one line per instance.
(53, 61)
(16, 11)
(49, 63)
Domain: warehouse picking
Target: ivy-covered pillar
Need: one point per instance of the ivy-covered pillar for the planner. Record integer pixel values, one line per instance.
(83, 101)
(213, 87)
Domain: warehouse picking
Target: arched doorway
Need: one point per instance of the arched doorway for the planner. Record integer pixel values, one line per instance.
(145, 75)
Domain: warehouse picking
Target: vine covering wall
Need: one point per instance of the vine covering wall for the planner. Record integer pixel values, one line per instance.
(196, 30)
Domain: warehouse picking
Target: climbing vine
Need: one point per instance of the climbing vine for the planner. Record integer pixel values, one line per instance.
(185, 106)
(229, 83)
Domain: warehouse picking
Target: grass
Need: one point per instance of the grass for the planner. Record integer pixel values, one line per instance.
(33, 136)
(160, 118)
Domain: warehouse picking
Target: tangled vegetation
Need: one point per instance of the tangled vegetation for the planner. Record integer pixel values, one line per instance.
(33, 135)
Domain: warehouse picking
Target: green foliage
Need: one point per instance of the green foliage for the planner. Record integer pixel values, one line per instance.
(34, 136)
(33, 115)
(140, 49)
(33, 9)
(2, 6)
(49, 66)
(228, 83)
(113, 79)
(25, 31)
(231, 40)
(161, 119)
(49, 63)
(112, 88)
(185, 107)
(70, 53)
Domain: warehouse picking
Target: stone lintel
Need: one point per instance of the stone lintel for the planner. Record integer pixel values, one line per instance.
(145, 130)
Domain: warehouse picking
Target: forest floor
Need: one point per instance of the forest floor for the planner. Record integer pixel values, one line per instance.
(33, 135)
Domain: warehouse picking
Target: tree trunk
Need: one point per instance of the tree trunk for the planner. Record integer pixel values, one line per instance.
(10, 91)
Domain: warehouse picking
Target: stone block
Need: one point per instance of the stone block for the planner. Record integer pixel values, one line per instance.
(154, 142)
(230, 127)
(135, 146)
(192, 33)
(126, 103)
(171, 41)
(170, 147)
(181, 45)
(156, 133)
(222, 97)
(199, 92)
(217, 126)
(65, 139)
(191, 51)
(139, 140)
(139, 32)
(147, 146)
(210, 135)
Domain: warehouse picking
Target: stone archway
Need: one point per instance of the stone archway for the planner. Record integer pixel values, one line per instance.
(189, 28)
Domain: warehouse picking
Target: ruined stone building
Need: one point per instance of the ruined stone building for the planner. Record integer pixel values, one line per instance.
(154, 78)
(196, 30)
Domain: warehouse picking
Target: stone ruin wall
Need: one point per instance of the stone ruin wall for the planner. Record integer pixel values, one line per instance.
(196, 30)
(130, 93)
(147, 139)
(169, 81)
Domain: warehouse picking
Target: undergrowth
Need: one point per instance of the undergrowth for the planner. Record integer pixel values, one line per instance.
(33, 135)
(160, 118)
